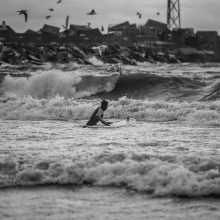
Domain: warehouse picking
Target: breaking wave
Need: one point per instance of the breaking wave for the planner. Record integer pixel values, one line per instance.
(104, 84)
(153, 86)
(48, 84)
(159, 176)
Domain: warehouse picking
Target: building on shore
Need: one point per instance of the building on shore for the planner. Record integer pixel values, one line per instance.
(7, 33)
(124, 30)
(149, 33)
(31, 36)
(50, 33)
(182, 35)
(206, 39)
(80, 33)
(161, 32)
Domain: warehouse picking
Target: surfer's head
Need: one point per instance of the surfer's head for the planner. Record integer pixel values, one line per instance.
(104, 105)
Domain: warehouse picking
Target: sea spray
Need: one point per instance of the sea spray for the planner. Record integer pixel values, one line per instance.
(48, 84)
(42, 85)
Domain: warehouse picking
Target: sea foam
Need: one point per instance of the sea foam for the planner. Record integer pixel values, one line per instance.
(153, 175)
(60, 108)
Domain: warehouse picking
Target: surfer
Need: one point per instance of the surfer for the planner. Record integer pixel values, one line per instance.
(98, 114)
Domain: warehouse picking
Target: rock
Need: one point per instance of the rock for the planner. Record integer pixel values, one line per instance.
(172, 58)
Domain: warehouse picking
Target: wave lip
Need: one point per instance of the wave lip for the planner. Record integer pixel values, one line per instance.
(163, 87)
(49, 84)
(156, 176)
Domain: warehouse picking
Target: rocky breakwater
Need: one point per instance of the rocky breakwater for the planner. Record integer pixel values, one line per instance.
(134, 54)
(35, 54)
(20, 54)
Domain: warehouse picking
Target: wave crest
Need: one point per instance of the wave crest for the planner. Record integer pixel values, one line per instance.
(148, 174)
(48, 84)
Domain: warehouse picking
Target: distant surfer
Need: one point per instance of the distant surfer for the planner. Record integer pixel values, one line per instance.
(128, 118)
(118, 68)
(98, 114)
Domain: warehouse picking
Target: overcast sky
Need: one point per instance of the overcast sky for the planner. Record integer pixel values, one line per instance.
(199, 14)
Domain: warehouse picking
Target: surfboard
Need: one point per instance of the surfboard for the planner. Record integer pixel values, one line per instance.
(114, 125)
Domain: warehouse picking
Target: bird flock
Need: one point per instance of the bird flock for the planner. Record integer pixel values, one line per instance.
(101, 48)
(92, 12)
(25, 12)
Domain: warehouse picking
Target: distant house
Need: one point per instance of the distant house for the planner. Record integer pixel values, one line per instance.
(77, 30)
(51, 30)
(147, 32)
(83, 31)
(156, 24)
(30, 32)
(160, 29)
(181, 35)
(118, 29)
(7, 33)
(124, 29)
(31, 36)
(206, 36)
(49, 33)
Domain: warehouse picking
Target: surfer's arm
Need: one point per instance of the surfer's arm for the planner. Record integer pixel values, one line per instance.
(100, 116)
(104, 122)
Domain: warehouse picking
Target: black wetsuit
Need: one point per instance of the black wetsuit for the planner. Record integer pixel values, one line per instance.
(95, 117)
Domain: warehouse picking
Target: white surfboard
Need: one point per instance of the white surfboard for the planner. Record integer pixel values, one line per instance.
(117, 124)
(114, 125)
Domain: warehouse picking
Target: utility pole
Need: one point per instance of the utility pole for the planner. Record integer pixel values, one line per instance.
(173, 14)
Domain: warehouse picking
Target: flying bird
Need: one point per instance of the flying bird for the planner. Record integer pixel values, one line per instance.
(59, 1)
(92, 12)
(101, 49)
(158, 13)
(25, 13)
(48, 16)
(51, 9)
(139, 15)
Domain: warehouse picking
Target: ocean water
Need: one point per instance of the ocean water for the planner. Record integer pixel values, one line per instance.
(164, 163)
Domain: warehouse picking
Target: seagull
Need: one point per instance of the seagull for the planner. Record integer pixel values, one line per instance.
(101, 49)
(25, 13)
(158, 13)
(139, 15)
(50, 9)
(92, 12)
(59, 1)
(48, 16)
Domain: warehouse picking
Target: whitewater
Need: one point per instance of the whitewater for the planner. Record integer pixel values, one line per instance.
(164, 163)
